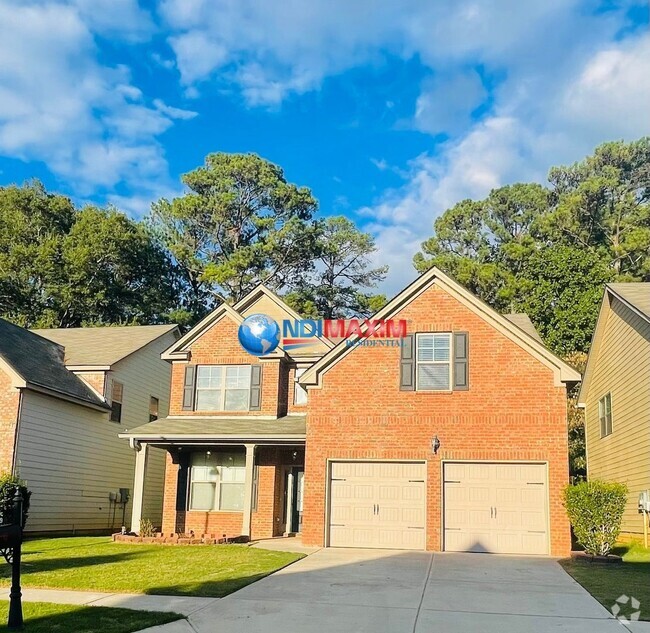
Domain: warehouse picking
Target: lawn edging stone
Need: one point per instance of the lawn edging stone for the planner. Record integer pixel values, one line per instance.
(178, 539)
(592, 558)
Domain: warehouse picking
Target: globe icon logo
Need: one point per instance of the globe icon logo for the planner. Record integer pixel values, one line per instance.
(259, 334)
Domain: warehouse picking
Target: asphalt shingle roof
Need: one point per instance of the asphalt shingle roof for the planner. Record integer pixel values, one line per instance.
(103, 346)
(523, 322)
(635, 293)
(237, 427)
(40, 363)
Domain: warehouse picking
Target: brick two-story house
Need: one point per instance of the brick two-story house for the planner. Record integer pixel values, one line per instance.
(452, 437)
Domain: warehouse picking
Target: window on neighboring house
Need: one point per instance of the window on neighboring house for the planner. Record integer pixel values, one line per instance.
(117, 393)
(223, 387)
(299, 392)
(605, 415)
(433, 362)
(154, 404)
(217, 481)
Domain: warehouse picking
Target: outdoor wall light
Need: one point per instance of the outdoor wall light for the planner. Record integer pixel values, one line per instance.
(435, 445)
(294, 455)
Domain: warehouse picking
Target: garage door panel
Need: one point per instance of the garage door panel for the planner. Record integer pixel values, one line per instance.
(389, 512)
(496, 507)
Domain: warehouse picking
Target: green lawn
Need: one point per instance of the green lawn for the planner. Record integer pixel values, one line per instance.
(98, 564)
(45, 617)
(606, 582)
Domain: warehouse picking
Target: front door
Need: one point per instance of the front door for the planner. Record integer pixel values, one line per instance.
(294, 487)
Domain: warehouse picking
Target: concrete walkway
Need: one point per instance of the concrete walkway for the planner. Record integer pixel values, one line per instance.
(184, 605)
(364, 591)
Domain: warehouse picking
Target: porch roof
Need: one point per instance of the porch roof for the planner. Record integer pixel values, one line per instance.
(290, 428)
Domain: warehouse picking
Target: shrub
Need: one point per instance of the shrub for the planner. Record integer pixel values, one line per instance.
(8, 485)
(595, 509)
(147, 528)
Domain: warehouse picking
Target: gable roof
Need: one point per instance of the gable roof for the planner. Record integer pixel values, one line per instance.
(103, 346)
(562, 372)
(635, 294)
(636, 297)
(179, 350)
(523, 322)
(39, 365)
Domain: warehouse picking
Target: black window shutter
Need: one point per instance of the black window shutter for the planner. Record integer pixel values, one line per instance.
(183, 482)
(461, 361)
(188, 388)
(407, 364)
(256, 388)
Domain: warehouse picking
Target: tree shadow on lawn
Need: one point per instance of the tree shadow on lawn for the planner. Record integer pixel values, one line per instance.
(39, 565)
(54, 618)
(207, 588)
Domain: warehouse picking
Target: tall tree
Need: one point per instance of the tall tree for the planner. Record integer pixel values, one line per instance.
(240, 223)
(63, 267)
(603, 205)
(342, 272)
(548, 251)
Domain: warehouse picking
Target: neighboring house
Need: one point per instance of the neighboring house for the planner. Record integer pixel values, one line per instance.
(616, 395)
(348, 454)
(66, 394)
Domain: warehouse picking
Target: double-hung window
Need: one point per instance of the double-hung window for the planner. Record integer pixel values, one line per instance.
(605, 415)
(217, 481)
(117, 394)
(223, 387)
(433, 359)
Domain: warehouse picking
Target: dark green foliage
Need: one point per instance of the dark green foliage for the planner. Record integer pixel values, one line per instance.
(64, 267)
(595, 509)
(549, 251)
(8, 486)
(334, 286)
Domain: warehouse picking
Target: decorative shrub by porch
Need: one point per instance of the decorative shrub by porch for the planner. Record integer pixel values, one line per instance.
(8, 485)
(595, 509)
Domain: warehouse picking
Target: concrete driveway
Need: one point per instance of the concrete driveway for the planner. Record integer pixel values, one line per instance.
(345, 591)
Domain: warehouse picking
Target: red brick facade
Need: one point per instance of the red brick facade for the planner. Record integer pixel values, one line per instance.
(9, 404)
(512, 411)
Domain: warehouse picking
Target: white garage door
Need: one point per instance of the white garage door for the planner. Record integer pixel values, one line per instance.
(377, 504)
(500, 508)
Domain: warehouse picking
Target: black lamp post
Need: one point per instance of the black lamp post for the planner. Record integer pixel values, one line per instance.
(15, 620)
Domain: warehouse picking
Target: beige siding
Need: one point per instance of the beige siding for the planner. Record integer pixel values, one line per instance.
(143, 375)
(622, 368)
(73, 459)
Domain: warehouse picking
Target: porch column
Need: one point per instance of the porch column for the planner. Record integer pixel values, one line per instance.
(138, 486)
(248, 490)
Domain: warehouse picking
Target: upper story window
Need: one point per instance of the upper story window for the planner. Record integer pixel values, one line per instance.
(117, 394)
(154, 406)
(223, 388)
(605, 415)
(217, 481)
(299, 392)
(433, 360)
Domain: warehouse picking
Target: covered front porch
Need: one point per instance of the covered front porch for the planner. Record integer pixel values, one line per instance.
(238, 478)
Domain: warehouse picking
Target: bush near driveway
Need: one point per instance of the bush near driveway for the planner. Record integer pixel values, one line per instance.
(595, 509)
(45, 617)
(607, 582)
(8, 486)
(98, 564)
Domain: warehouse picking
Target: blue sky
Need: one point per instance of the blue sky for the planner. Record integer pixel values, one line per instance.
(390, 111)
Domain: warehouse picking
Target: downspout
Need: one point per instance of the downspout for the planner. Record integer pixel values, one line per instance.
(14, 457)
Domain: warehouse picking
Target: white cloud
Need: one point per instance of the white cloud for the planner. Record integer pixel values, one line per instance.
(87, 122)
(604, 99)
(446, 102)
(118, 19)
